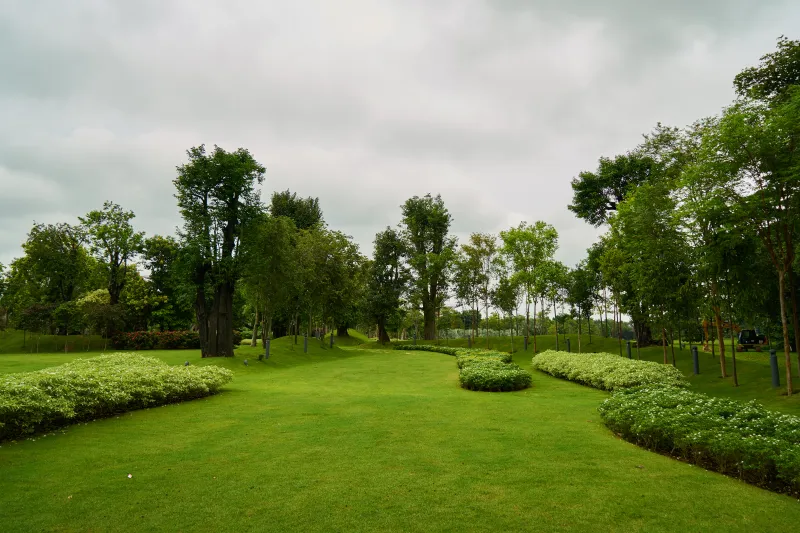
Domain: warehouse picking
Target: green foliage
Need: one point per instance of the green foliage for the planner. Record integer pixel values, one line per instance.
(597, 193)
(778, 71)
(466, 359)
(305, 213)
(490, 374)
(85, 389)
(428, 348)
(162, 340)
(388, 280)
(606, 371)
(735, 438)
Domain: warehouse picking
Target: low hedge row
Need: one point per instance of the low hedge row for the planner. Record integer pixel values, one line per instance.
(481, 370)
(86, 389)
(731, 437)
(162, 340)
(607, 371)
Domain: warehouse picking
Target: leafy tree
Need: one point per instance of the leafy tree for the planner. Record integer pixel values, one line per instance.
(269, 268)
(56, 262)
(506, 298)
(304, 212)
(217, 199)
(771, 79)
(528, 248)
(595, 194)
(161, 256)
(431, 250)
(114, 242)
(388, 280)
(581, 296)
(481, 254)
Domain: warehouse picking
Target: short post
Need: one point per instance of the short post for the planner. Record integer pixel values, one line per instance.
(331, 338)
(773, 362)
(568, 346)
(305, 342)
(695, 360)
(266, 349)
(415, 338)
(469, 341)
(628, 347)
(525, 342)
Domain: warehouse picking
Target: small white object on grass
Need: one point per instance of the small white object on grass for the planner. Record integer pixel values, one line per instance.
(130, 476)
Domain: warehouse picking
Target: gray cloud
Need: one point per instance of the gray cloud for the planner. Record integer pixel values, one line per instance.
(494, 104)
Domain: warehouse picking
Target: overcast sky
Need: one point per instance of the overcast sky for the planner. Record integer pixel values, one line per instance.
(496, 105)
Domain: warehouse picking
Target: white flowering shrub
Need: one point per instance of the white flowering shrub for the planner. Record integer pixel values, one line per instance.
(102, 386)
(731, 437)
(607, 371)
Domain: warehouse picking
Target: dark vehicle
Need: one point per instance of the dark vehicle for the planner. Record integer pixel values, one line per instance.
(748, 338)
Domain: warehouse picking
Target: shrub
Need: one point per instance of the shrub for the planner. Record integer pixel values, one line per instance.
(731, 437)
(163, 340)
(85, 389)
(606, 371)
(492, 375)
(466, 359)
(427, 348)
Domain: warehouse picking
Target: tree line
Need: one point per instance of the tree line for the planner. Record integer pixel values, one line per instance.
(703, 220)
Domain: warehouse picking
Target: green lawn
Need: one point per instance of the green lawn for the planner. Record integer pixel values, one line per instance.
(352, 439)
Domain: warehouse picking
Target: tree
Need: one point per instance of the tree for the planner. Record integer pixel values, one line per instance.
(56, 261)
(528, 248)
(304, 212)
(581, 296)
(753, 155)
(161, 256)
(217, 199)
(388, 280)
(269, 268)
(114, 242)
(777, 72)
(506, 298)
(595, 194)
(430, 249)
(481, 253)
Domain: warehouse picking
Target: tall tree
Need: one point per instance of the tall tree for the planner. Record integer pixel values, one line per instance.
(217, 199)
(161, 257)
(56, 261)
(114, 242)
(388, 280)
(771, 79)
(596, 194)
(528, 248)
(431, 249)
(482, 252)
(304, 212)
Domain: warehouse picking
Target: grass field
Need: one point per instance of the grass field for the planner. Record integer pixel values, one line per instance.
(356, 439)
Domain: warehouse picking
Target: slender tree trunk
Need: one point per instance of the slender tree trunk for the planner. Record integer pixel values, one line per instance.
(254, 339)
(534, 326)
(528, 319)
(619, 325)
(555, 321)
(589, 326)
(664, 342)
(579, 329)
(785, 326)
(721, 340)
(672, 345)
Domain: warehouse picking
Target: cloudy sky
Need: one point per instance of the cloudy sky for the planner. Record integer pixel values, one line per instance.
(495, 104)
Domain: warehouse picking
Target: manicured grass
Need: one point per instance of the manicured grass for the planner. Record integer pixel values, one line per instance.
(363, 440)
(15, 341)
(755, 377)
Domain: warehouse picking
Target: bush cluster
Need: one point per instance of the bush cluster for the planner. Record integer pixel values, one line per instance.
(162, 340)
(492, 375)
(731, 437)
(607, 371)
(481, 370)
(86, 389)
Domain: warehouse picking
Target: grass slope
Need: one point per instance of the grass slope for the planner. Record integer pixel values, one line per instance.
(15, 341)
(364, 440)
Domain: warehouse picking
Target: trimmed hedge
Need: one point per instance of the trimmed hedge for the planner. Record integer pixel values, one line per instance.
(492, 375)
(607, 371)
(481, 370)
(162, 340)
(85, 389)
(739, 439)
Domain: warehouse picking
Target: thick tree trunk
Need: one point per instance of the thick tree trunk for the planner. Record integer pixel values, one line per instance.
(202, 320)
(224, 319)
(383, 336)
(785, 326)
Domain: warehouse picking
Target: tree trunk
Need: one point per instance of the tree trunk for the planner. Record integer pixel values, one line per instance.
(785, 326)
(429, 318)
(202, 320)
(341, 331)
(254, 339)
(721, 340)
(383, 336)
(224, 319)
(528, 321)
(534, 326)
(664, 342)
(555, 321)
(672, 345)
(795, 317)
(579, 329)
